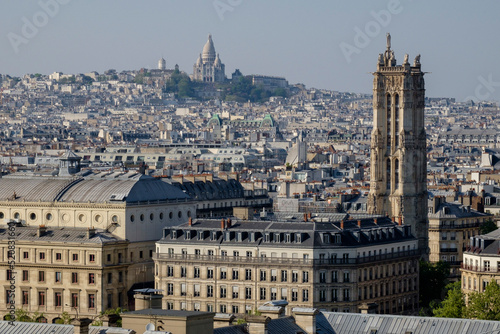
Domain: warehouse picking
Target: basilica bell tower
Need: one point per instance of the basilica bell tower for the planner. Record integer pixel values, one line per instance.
(398, 181)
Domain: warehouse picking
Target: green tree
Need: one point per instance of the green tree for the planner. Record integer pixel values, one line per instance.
(433, 280)
(139, 78)
(488, 226)
(453, 306)
(484, 305)
(280, 92)
(25, 316)
(64, 319)
(87, 80)
(180, 84)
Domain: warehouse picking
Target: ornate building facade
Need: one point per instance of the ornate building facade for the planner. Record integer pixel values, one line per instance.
(451, 226)
(208, 67)
(236, 266)
(83, 238)
(481, 262)
(398, 146)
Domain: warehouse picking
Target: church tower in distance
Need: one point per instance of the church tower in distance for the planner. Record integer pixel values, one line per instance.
(398, 171)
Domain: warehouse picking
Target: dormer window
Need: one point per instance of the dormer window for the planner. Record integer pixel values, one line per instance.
(214, 236)
(288, 238)
(188, 235)
(326, 238)
(299, 238)
(174, 234)
(267, 237)
(338, 239)
(239, 236)
(277, 237)
(201, 235)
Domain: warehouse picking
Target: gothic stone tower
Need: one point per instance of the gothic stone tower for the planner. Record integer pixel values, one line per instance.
(398, 185)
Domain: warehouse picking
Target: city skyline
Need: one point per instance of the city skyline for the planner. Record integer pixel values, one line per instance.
(327, 46)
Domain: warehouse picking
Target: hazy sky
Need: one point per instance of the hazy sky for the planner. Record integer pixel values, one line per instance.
(317, 43)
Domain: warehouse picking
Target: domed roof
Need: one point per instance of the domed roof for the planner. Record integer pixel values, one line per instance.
(268, 121)
(209, 49)
(92, 188)
(215, 120)
(198, 62)
(217, 61)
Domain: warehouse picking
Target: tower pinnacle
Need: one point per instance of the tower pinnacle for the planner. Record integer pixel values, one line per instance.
(398, 170)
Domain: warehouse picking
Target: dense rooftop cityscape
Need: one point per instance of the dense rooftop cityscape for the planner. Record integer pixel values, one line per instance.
(178, 200)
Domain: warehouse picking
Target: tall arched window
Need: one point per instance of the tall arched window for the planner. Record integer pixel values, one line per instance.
(396, 119)
(388, 103)
(388, 175)
(396, 174)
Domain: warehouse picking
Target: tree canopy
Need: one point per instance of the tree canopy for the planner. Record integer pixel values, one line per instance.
(433, 280)
(484, 305)
(487, 227)
(242, 90)
(481, 305)
(453, 306)
(180, 84)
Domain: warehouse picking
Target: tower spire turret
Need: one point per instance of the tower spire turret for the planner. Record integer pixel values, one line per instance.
(398, 186)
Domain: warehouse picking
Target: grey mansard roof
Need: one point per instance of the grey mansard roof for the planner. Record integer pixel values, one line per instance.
(95, 187)
(340, 323)
(38, 328)
(285, 325)
(210, 190)
(485, 244)
(289, 234)
(60, 234)
(33, 327)
(454, 210)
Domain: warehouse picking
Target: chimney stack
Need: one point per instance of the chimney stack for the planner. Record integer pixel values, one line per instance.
(81, 326)
(359, 223)
(305, 318)
(109, 320)
(90, 232)
(190, 221)
(222, 224)
(305, 217)
(42, 229)
(400, 220)
(341, 224)
(257, 324)
(375, 220)
(228, 221)
(368, 308)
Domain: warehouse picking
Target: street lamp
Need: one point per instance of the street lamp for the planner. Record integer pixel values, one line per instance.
(76, 310)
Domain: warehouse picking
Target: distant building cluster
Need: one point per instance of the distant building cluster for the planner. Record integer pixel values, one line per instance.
(122, 194)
